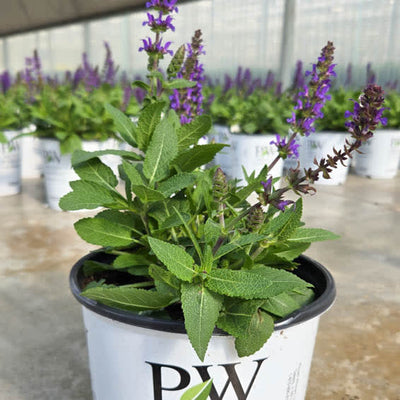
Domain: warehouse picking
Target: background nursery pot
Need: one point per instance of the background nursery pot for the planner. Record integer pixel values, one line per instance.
(253, 152)
(316, 146)
(10, 170)
(57, 168)
(31, 161)
(221, 134)
(138, 357)
(380, 155)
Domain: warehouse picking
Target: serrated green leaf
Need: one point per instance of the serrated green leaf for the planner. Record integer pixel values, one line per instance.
(189, 134)
(175, 258)
(253, 284)
(174, 220)
(95, 171)
(212, 231)
(127, 219)
(130, 299)
(162, 150)
(237, 314)
(201, 309)
(161, 274)
(125, 127)
(146, 194)
(87, 195)
(308, 235)
(287, 302)
(81, 156)
(198, 392)
(197, 156)
(133, 174)
(176, 183)
(176, 62)
(148, 120)
(291, 251)
(102, 232)
(258, 332)
(238, 243)
(283, 226)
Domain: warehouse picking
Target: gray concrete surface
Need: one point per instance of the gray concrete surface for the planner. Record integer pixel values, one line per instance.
(357, 356)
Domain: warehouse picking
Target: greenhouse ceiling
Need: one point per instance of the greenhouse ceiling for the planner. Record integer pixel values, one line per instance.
(26, 15)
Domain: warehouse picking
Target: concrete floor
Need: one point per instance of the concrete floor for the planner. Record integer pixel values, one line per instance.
(357, 356)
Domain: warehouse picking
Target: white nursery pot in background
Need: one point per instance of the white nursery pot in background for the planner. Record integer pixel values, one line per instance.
(57, 168)
(134, 357)
(31, 160)
(221, 134)
(318, 145)
(10, 171)
(380, 155)
(253, 152)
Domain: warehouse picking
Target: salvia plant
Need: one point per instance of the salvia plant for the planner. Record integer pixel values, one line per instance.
(183, 241)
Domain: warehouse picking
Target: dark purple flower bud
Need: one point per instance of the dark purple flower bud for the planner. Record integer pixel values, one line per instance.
(269, 82)
(298, 80)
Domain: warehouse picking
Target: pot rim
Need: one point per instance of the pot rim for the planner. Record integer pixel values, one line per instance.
(309, 270)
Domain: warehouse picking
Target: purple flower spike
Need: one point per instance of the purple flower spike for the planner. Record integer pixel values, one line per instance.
(5, 79)
(312, 98)
(166, 6)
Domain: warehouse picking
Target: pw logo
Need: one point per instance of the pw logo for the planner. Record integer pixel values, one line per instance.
(184, 380)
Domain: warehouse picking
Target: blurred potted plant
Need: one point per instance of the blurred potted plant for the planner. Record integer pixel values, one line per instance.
(380, 157)
(330, 133)
(14, 121)
(192, 281)
(254, 112)
(71, 116)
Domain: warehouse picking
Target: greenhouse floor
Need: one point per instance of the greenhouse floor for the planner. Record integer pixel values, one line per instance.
(43, 353)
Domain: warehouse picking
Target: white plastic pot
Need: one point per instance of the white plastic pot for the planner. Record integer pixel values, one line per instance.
(142, 358)
(253, 152)
(318, 145)
(31, 161)
(380, 155)
(221, 134)
(10, 171)
(57, 168)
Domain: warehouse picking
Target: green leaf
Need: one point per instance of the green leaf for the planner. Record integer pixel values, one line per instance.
(201, 309)
(148, 120)
(128, 260)
(197, 156)
(81, 156)
(146, 194)
(176, 62)
(176, 183)
(87, 195)
(212, 231)
(175, 258)
(291, 251)
(307, 235)
(70, 144)
(238, 243)
(162, 150)
(141, 85)
(160, 274)
(125, 127)
(174, 220)
(254, 284)
(287, 302)
(198, 392)
(95, 171)
(132, 173)
(258, 332)
(130, 299)
(180, 84)
(127, 219)
(283, 226)
(189, 134)
(103, 232)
